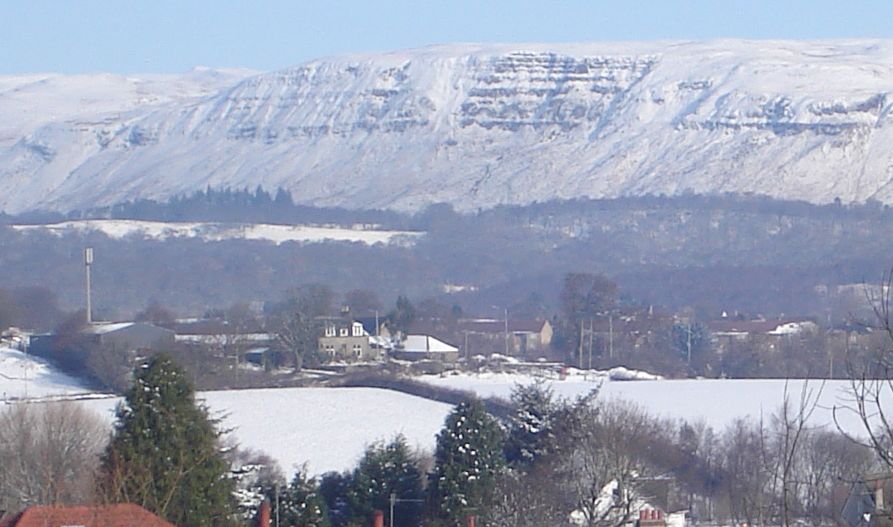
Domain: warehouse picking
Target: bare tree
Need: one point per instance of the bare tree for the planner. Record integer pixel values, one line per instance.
(526, 499)
(828, 460)
(297, 323)
(790, 425)
(871, 383)
(49, 453)
(598, 461)
(749, 462)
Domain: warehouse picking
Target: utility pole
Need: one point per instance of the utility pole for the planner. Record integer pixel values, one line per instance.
(393, 500)
(88, 261)
(506, 331)
(277, 505)
(590, 343)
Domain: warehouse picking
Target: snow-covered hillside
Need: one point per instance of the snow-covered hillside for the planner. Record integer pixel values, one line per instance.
(28, 102)
(479, 125)
(207, 231)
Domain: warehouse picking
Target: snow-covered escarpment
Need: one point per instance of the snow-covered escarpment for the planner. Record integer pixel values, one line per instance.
(480, 125)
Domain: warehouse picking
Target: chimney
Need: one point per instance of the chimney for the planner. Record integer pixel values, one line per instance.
(263, 514)
(471, 521)
(378, 519)
(651, 518)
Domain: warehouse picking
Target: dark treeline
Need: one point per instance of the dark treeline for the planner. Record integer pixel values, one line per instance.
(243, 205)
(727, 253)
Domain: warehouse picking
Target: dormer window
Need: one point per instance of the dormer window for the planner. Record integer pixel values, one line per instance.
(357, 329)
(330, 330)
(343, 332)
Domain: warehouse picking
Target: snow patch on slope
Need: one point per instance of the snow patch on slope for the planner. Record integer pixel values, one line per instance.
(26, 376)
(208, 231)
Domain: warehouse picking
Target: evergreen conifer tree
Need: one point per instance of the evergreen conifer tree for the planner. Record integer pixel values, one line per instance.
(300, 503)
(385, 469)
(468, 458)
(335, 487)
(531, 435)
(164, 454)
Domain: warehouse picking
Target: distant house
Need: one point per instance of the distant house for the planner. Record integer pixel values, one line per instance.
(218, 332)
(425, 347)
(346, 339)
(867, 505)
(726, 332)
(524, 336)
(623, 332)
(121, 515)
(132, 335)
(119, 335)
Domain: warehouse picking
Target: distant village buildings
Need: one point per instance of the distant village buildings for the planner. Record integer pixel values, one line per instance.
(119, 335)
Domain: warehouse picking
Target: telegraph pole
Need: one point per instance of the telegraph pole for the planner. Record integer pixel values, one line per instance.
(393, 500)
(506, 331)
(88, 261)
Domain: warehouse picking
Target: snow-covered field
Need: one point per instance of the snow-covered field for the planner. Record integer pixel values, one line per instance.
(326, 427)
(207, 231)
(716, 402)
(329, 427)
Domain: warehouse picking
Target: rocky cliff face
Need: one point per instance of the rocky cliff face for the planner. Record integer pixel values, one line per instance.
(477, 126)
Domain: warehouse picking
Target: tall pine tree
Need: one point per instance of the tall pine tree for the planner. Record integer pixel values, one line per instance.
(385, 469)
(531, 435)
(468, 458)
(165, 454)
(300, 503)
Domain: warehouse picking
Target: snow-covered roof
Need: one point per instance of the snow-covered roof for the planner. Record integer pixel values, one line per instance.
(223, 337)
(793, 328)
(426, 344)
(382, 342)
(101, 328)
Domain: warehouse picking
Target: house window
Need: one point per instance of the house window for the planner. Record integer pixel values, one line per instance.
(330, 349)
(357, 329)
(343, 332)
(330, 330)
(358, 350)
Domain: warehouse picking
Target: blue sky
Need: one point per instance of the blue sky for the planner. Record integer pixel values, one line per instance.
(125, 36)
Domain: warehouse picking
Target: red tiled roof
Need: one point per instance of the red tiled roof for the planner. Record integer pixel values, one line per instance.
(121, 515)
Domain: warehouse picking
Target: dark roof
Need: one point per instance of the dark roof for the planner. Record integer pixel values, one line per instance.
(625, 325)
(215, 326)
(121, 515)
